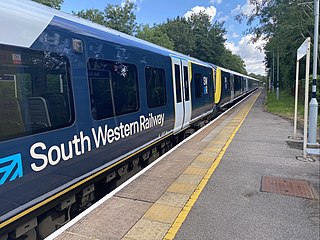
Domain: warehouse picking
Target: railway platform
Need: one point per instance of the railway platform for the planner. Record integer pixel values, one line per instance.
(237, 178)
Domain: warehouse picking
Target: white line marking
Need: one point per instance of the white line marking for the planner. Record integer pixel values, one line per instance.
(109, 195)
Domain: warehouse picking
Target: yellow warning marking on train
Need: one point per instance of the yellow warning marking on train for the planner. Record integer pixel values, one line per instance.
(242, 114)
(217, 94)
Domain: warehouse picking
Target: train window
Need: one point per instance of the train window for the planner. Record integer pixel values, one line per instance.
(156, 87)
(113, 88)
(28, 102)
(198, 85)
(178, 83)
(186, 82)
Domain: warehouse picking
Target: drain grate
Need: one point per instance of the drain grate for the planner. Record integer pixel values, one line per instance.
(292, 187)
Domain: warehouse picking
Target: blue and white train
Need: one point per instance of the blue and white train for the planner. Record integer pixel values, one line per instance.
(81, 104)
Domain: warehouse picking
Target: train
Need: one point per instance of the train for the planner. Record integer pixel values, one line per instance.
(82, 104)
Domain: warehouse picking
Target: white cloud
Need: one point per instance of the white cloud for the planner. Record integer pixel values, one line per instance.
(210, 11)
(248, 51)
(246, 9)
(215, 1)
(236, 10)
(223, 19)
(235, 35)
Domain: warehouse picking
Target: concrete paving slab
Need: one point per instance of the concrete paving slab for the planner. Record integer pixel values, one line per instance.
(112, 220)
(189, 179)
(207, 157)
(74, 236)
(148, 230)
(162, 213)
(183, 154)
(202, 164)
(140, 188)
(173, 199)
(183, 188)
(195, 171)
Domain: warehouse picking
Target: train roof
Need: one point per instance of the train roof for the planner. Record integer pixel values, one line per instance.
(239, 74)
(26, 20)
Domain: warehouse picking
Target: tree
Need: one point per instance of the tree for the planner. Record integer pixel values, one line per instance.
(121, 17)
(232, 62)
(284, 24)
(117, 17)
(154, 35)
(180, 33)
(51, 3)
(93, 15)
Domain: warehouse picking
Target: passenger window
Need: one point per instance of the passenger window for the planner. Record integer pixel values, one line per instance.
(156, 87)
(186, 82)
(198, 85)
(178, 84)
(113, 88)
(31, 99)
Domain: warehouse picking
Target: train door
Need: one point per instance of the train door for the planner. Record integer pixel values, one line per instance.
(247, 87)
(232, 86)
(181, 89)
(187, 93)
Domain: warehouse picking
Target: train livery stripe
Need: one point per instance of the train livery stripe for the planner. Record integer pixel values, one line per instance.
(217, 93)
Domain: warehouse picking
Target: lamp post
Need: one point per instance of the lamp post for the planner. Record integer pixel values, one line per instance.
(273, 82)
(313, 105)
(278, 74)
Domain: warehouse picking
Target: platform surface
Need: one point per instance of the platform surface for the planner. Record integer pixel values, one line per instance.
(210, 187)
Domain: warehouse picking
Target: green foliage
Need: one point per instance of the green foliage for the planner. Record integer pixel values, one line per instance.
(154, 35)
(51, 3)
(284, 24)
(259, 77)
(180, 33)
(202, 39)
(284, 106)
(118, 17)
(121, 17)
(93, 15)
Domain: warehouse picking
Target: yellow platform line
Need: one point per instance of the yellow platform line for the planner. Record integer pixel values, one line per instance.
(193, 198)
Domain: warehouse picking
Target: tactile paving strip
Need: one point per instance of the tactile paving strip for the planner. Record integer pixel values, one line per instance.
(291, 187)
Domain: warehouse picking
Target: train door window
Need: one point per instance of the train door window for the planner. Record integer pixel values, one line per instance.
(178, 83)
(156, 87)
(113, 88)
(186, 82)
(198, 85)
(26, 85)
(211, 86)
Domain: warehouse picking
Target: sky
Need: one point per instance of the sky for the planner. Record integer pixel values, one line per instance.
(158, 11)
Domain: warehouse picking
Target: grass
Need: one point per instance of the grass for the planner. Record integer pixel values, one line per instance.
(284, 107)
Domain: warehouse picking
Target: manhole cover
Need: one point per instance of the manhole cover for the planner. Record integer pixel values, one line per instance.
(292, 187)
